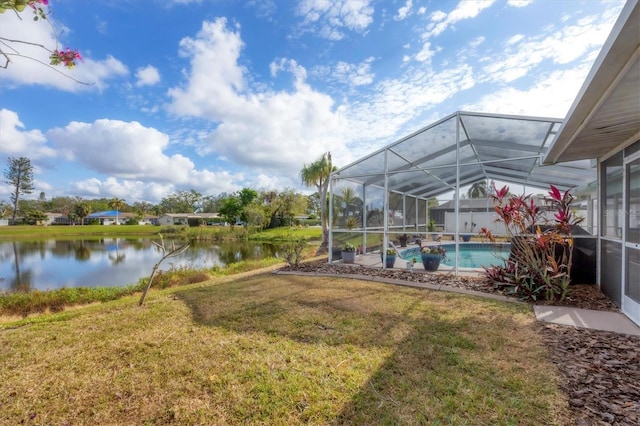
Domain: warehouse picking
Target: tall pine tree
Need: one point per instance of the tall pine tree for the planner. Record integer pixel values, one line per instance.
(19, 174)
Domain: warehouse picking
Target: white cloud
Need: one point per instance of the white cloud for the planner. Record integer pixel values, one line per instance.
(262, 130)
(29, 63)
(404, 11)
(353, 74)
(466, 9)
(563, 46)
(123, 149)
(147, 76)
(551, 96)
(15, 140)
(128, 161)
(519, 3)
(330, 17)
(425, 54)
(477, 41)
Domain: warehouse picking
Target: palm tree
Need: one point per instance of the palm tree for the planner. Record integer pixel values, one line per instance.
(117, 204)
(478, 189)
(348, 195)
(317, 174)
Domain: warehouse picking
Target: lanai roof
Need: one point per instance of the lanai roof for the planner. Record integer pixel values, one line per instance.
(505, 148)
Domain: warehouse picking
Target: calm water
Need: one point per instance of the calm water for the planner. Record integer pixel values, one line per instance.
(474, 255)
(111, 262)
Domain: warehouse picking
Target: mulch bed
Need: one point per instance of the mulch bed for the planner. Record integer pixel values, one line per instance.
(599, 370)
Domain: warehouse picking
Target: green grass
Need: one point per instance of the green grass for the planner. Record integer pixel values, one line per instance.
(216, 233)
(27, 231)
(282, 350)
(22, 304)
(288, 234)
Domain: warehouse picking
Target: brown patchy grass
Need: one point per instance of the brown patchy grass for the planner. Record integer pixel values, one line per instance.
(272, 349)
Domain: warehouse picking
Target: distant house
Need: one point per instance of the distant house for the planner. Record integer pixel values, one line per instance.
(184, 218)
(57, 219)
(109, 217)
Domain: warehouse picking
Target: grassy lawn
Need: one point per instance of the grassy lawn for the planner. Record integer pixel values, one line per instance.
(283, 350)
(288, 233)
(268, 235)
(28, 231)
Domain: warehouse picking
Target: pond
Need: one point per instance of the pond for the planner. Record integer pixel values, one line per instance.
(108, 262)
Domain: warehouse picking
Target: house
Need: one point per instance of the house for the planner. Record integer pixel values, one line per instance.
(109, 217)
(184, 218)
(603, 124)
(57, 219)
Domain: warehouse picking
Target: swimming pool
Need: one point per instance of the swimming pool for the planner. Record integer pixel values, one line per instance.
(471, 255)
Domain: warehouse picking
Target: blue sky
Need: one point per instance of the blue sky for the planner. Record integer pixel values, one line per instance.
(217, 95)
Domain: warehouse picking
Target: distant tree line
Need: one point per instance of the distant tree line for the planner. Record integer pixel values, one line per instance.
(261, 208)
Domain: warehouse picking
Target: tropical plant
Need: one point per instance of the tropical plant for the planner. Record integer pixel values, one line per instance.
(351, 222)
(478, 189)
(117, 204)
(539, 265)
(349, 247)
(317, 174)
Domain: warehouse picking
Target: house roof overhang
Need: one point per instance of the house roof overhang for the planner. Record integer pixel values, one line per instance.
(606, 112)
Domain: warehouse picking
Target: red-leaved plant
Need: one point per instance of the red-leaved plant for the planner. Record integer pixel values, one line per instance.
(539, 266)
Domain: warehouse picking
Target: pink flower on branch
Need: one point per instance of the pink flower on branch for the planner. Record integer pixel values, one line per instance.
(66, 57)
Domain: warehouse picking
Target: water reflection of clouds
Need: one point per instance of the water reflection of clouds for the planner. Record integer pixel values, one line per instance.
(54, 264)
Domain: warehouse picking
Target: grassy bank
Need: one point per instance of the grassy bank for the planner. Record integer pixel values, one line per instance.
(205, 233)
(28, 231)
(281, 350)
(22, 304)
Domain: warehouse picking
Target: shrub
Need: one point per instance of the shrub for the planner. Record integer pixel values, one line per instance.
(292, 252)
(539, 265)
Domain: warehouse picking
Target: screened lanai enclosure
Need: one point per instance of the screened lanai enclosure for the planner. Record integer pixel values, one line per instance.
(418, 186)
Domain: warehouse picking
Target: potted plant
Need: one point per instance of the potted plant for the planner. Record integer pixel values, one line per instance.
(403, 240)
(349, 253)
(468, 229)
(431, 257)
(391, 257)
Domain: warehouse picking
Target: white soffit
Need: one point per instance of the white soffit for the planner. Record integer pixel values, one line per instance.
(606, 112)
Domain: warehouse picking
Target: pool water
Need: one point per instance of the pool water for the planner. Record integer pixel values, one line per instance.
(470, 256)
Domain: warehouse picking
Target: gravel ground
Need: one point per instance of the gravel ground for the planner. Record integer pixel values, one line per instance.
(599, 370)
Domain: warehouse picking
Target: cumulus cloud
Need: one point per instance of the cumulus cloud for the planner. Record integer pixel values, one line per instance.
(274, 130)
(126, 149)
(15, 140)
(147, 76)
(132, 159)
(29, 62)
(329, 18)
